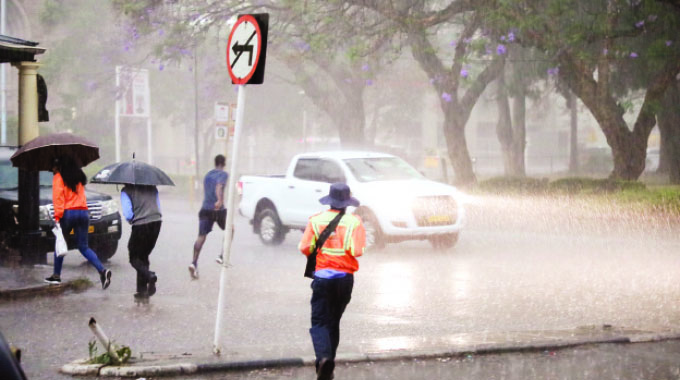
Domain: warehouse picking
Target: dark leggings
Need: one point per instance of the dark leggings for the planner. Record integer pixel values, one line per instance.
(142, 241)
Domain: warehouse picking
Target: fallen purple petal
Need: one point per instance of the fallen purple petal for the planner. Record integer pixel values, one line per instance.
(464, 73)
(640, 24)
(511, 36)
(364, 67)
(161, 67)
(605, 51)
(446, 97)
(669, 43)
(633, 55)
(452, 43)
(369, 82)
(502, 38)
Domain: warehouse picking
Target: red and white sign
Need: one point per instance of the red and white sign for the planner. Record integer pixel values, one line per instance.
(243, 49)
(134, 86)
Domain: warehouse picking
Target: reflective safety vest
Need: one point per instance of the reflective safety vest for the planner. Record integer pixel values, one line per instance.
(342, 247)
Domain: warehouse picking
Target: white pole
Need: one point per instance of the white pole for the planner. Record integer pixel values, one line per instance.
(103, 339)
(148, 138)
(117, 117)
(3, 80)
(231, 210)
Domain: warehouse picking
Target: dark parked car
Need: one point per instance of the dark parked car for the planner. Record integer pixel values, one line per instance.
(105, 222)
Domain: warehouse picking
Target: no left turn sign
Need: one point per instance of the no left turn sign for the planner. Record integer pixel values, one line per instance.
(246, 49)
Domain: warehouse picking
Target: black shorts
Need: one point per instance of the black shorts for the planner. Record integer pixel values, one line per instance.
(206, 218)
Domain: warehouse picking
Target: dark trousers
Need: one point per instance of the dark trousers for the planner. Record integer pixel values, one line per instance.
(329, 300)
(142, 241)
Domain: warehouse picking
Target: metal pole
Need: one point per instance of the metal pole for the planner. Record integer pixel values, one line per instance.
(196, 174)
(3, 80)
(103, 339)
(116, 116)
(231, 210)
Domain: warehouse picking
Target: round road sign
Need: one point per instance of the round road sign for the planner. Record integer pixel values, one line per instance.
(243, 49)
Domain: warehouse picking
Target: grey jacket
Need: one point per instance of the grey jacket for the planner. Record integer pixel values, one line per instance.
(140, 204)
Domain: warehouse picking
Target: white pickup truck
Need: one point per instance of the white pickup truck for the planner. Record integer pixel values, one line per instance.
(397, 202)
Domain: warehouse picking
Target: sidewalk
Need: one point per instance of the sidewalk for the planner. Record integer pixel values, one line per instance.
(155, 364)
(27, 282)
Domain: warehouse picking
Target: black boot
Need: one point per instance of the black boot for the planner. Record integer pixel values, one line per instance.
(152, 284)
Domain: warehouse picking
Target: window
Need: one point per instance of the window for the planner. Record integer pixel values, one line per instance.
(308, 169)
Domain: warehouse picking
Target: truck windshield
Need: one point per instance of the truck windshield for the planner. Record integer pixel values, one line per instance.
(381, 169)
(9, 177)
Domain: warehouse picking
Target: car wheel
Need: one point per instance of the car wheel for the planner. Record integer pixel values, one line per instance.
(105, 250)
(444, 242)
(271, 230)
(374, 235)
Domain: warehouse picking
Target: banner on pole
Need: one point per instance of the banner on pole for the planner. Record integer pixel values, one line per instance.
(133, 91)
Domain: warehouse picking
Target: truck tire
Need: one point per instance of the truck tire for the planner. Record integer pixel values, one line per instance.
(444, 242)
(374, 235)
(105, 250)
(269, 227)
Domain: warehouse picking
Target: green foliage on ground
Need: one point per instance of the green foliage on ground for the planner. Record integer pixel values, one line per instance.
(661, 198)
(124, 354)
(80, 284)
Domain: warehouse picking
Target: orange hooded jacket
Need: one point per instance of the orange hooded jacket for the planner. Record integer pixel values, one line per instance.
(343, 246)
(65, 199)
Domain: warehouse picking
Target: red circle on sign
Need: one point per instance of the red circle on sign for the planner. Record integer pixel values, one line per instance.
(242, 19)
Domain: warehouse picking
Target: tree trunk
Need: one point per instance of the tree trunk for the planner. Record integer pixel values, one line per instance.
(573, 133)
(510, 129)
(454, 133)
(669, 126)
(519, 123)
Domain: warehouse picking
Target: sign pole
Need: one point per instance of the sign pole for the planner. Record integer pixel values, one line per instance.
(228, 228)
(117, 116)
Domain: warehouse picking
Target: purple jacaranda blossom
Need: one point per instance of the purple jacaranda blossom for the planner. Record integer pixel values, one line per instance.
(364, 67)
(452, 43)
(640, 24)
(669, 43)
(511, 36)
(605, 51)
(633, 55)
(446, 96)
(91, 85)
(553, 71)
(161, 67)
(464, 73)
(185, 51)
(501, 49)
(161, 32)
(651, 18)
(487, 50)
(502, 38)
(431, 80)
(467, 40)
(369, 82)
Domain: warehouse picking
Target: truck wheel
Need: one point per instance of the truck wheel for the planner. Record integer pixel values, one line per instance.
(374, 235)
(444, 242)
(270, 229)
(105, 250)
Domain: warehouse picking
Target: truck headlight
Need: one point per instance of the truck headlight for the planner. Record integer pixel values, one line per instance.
(44, 213)
(109, 207)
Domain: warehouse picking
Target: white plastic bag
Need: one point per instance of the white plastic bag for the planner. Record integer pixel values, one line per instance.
(60, 247)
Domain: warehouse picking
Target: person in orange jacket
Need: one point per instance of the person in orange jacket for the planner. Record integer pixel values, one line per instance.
(336, 262)
(70, 211)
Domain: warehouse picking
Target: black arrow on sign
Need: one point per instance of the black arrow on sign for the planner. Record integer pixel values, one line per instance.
(239, 49)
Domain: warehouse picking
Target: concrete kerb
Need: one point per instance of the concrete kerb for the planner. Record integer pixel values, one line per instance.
(78, 284)
(81, 368)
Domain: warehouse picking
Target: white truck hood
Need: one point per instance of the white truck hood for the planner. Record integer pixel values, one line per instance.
(402, 192)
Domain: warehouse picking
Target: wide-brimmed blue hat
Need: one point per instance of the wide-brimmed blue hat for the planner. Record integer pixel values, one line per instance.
(339, 196)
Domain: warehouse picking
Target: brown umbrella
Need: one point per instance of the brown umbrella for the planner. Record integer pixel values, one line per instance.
(39, 153)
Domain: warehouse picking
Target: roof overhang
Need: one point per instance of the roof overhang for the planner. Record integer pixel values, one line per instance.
(18, 50)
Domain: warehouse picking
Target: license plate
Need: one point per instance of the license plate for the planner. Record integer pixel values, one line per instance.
(90, 229)
(439, 219)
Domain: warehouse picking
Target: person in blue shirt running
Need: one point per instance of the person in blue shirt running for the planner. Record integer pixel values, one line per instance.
(212, 209)
(142, 209)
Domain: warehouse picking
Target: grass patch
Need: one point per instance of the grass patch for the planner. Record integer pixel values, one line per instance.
(80, 284)
(658, 198)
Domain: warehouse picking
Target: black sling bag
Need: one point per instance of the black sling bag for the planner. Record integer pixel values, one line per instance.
(311, 259)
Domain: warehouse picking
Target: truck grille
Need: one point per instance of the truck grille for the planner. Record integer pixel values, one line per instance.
(440, 210)
(94, 208)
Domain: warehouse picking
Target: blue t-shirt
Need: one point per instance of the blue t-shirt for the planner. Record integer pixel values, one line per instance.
(210, 182)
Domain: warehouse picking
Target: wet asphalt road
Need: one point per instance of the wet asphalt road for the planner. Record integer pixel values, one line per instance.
(521, 265)
(596, 362)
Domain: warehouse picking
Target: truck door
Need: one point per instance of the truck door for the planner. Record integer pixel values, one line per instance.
(312, 179)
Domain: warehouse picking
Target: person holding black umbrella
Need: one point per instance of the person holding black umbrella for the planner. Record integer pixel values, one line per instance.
(70, 211)
(142, 209)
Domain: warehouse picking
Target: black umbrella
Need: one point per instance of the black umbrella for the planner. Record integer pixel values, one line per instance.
(39, 153)
(132, 173)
